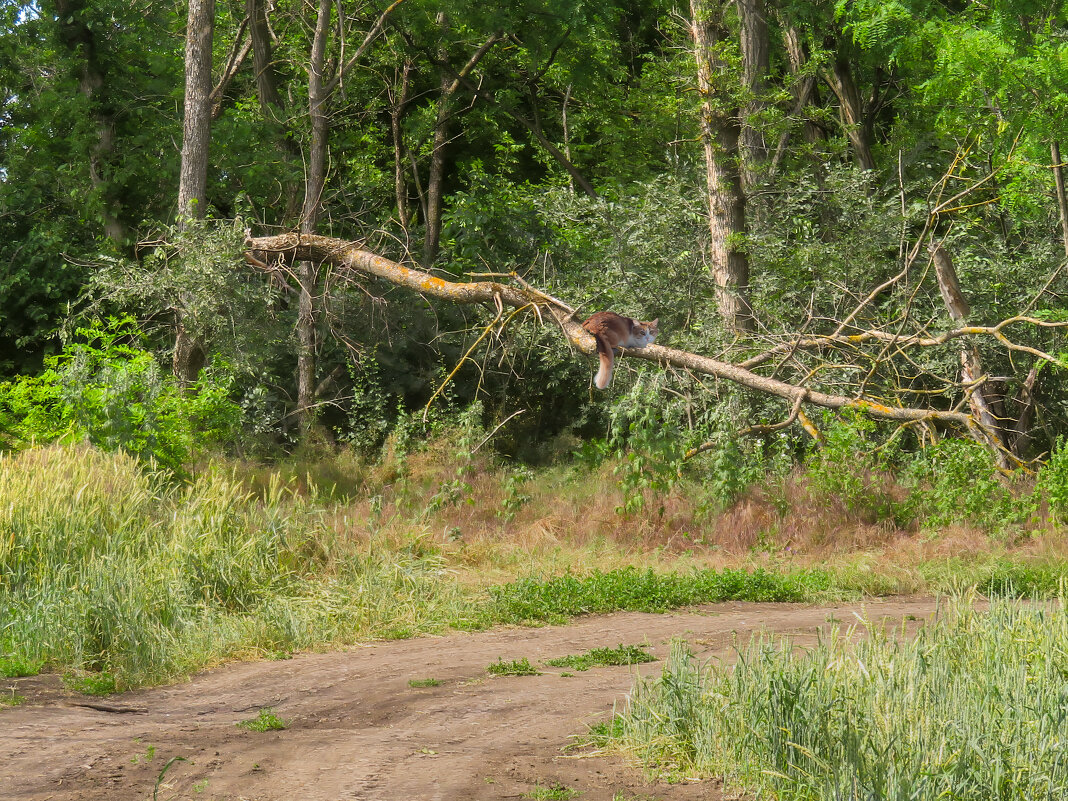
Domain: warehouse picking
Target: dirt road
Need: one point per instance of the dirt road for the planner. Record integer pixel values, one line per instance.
(358, 730)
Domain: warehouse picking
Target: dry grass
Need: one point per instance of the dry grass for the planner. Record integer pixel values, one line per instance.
(492, 522)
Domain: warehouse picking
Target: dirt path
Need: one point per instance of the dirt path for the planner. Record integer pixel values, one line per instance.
(359, 731)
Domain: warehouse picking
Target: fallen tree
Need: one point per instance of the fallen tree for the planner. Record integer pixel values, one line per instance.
(266, 252)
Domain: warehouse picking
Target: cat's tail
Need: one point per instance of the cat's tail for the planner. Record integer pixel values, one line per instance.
(607, 357)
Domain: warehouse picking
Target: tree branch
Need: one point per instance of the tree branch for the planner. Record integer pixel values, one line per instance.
(353, 256)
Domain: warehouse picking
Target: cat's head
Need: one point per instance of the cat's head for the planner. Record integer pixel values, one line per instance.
(645, 332)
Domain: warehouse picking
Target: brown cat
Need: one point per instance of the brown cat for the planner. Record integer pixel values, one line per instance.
(613, 331)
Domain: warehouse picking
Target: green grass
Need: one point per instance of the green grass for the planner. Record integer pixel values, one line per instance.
(556, 599)
(12, 667)
(417, 683)
(12, 698)
(516, 667)
(120, 577)
(552, 792)
(975, 707)
(266, 720)
(601, 657)
(103, 683)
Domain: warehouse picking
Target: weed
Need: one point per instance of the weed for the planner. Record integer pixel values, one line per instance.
(148, 756)
(14, 666)
(598, 657)
(556, 599)
(103, 683)
(267, 720)
(517, 667)
(14, 699)
(1053, 482)
(553, 792)
(162, 773)
(424, 682)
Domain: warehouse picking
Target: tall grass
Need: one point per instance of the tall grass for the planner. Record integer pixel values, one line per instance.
(974, 707)
(105, 567)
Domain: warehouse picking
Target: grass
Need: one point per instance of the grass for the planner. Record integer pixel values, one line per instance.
(556, 599)
(11, 699)
(266, 720)
(973, 707)
(603, 657)
(417, 683)
(119, 577)
(552, 792)
(516, 667)
(12, 667)
(102, 683)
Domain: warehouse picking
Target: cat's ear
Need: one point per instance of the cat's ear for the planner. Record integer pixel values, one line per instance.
(655, 322)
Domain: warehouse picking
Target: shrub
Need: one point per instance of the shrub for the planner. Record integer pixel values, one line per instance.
(107, 388)
(957, 482)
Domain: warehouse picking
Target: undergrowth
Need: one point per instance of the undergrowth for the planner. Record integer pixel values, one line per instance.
(117, 575)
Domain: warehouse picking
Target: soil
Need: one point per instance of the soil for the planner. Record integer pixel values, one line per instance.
(358, 730)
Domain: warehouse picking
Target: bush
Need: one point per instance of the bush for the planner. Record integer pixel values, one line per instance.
(107, 388)
(957, 481)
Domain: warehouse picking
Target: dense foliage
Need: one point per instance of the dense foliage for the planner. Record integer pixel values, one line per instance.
(557, 140)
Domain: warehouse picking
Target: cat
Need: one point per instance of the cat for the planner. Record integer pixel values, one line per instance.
(613, 331)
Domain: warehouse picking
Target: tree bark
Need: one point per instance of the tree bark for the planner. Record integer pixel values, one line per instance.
(856, 119)
(315, 185)
(436, 176)
(980, 399)
(726, 200)
(755, 48)
(396, 115)
(189, 355)
(196, 124)
(267, 81)
(320, 89)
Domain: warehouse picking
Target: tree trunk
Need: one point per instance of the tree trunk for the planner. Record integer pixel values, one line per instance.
(262, 63)
(196, 126)
(1062, 198)
(755, 48)
(726, 200)
(436, 176)
(450, 82)
(352, 256)
(396, 115)
(856, 119)
(980, 398)
(315, 185)
(189, 353)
